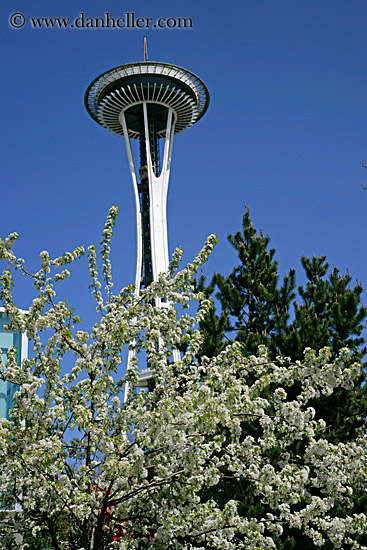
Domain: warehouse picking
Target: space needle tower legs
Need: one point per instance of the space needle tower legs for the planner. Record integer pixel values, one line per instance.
(158, 187)
(149, 102)
(154, 249)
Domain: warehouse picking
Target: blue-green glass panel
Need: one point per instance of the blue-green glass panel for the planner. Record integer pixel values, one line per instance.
(7, 389)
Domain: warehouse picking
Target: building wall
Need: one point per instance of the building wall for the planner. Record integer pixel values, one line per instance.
(8, 340)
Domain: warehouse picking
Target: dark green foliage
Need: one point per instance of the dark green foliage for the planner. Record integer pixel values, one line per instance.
(330, 312)
(256, 308)
(39, 542)
(213, 328)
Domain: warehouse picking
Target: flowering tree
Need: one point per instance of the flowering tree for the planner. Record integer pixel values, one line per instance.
(90, 472)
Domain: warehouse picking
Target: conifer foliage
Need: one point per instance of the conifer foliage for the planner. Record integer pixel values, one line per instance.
(257, 309)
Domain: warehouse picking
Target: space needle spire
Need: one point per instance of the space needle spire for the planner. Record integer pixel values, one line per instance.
(145, 48)
(150, 102)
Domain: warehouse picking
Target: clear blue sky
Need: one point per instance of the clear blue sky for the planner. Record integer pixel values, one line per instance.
(285, 132)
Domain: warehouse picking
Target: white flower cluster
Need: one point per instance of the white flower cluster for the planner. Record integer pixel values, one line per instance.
(183, 465)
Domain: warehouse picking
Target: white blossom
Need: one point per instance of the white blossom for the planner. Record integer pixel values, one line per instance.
(149, 472)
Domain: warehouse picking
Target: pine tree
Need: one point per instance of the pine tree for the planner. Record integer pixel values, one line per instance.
(255, 309)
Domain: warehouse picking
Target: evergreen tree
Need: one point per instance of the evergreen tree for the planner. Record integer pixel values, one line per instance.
(256, 309)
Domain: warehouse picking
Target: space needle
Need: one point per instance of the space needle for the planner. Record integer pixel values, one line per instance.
(150, 102)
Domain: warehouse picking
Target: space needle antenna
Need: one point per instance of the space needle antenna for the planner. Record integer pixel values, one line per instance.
(145, 48)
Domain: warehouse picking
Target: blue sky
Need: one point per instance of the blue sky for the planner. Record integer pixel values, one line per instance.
(285, 131)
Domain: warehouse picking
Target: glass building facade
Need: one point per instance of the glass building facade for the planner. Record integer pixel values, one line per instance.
(8, 340)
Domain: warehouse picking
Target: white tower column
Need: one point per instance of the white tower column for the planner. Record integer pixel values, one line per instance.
(158, 190)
